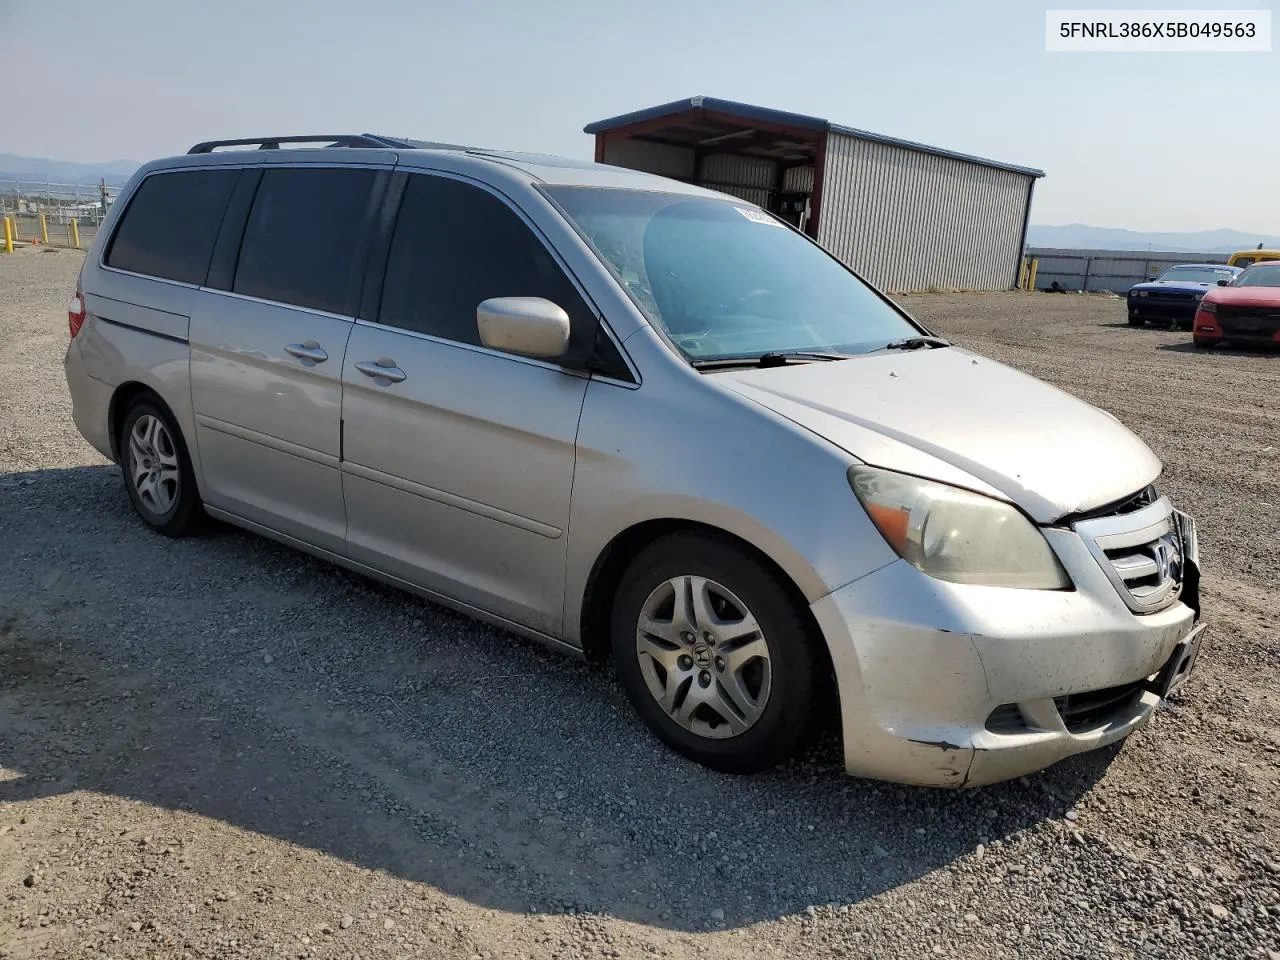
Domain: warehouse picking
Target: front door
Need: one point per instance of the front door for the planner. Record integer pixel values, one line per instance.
(266, 355)
(458, 460)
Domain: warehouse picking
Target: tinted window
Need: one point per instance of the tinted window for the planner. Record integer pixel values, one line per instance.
(1260, 275)
(1198, 274)
(170, 225)
(456, 245)
(302, 244)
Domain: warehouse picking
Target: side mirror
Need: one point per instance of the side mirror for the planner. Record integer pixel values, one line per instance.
(530, 326)
(1223, 283)
(1150, 279)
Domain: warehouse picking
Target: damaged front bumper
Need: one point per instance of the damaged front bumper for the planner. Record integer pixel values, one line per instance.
(952, 685)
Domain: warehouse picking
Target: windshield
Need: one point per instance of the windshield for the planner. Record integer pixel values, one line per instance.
(1198, 274)
(1260, 275)
(727, 281)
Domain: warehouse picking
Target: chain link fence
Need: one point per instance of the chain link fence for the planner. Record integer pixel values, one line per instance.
(58, 214)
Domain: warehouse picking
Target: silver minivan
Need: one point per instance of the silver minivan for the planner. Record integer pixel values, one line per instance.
(641, 421)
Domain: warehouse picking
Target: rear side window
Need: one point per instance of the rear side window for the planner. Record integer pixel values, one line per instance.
(456, 245)
(303, 242)
(171, 223)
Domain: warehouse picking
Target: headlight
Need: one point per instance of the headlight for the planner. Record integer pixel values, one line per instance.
(1139, 293)
(955, 535)
(1209, 307)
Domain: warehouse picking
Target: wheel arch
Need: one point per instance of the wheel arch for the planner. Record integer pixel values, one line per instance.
(124, 396)
(612, 562)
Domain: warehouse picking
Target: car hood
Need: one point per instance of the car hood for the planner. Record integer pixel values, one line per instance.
(959, 418)
(1173, 286)
(1246, 296)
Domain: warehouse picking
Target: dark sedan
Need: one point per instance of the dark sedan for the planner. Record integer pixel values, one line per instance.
(1171, 299)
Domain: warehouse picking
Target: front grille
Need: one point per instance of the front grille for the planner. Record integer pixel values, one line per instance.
(1249, 321)
(1168, 295)
(1087, 711)
(1142, 553)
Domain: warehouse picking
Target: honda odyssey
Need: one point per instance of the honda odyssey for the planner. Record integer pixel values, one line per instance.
(640, 421)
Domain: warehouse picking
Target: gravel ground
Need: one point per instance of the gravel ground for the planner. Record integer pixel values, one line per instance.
(217, 747)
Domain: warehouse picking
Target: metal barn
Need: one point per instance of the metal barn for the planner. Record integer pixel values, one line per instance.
(904, 215)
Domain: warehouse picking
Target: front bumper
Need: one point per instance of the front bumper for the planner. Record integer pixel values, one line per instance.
(951, 685)
(1150, 308)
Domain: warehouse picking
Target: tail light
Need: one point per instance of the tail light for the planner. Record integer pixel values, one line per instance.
(75, 314)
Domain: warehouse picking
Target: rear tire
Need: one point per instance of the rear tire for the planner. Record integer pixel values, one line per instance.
(715, 654)
(157, 470)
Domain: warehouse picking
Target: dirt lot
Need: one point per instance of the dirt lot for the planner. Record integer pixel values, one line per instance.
(220, 748)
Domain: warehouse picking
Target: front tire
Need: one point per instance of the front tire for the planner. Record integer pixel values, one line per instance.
(714, 653)
(1136, 321)
(157, 470)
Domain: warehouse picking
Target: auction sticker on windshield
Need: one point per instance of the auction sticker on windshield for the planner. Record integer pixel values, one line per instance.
(758, 216)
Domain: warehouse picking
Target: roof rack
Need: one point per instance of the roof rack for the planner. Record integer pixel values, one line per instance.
(328, 139)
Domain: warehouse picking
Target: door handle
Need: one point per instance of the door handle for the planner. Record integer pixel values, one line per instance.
(310, 353)
(384, 369)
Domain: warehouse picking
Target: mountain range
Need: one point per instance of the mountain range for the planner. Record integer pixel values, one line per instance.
(1080, 236)
(114, 172)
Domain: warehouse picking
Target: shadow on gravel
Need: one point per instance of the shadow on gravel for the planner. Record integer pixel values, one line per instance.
(1124, 325)
(245, 682)
(1253, 350)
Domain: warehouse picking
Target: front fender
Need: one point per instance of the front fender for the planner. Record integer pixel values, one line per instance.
(708, 457)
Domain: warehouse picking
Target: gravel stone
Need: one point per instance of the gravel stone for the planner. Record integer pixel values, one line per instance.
(409, 751)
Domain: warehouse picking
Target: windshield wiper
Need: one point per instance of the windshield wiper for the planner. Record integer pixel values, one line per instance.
(915, 343)
(774, 358)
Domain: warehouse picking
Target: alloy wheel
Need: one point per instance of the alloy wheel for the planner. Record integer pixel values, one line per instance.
(703, 657)
(153, 463)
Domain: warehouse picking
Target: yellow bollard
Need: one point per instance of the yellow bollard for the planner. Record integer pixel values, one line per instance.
(75, 233)
(44, 229)
(8, 235)
(1031, 280)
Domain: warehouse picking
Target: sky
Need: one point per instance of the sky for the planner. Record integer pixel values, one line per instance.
(1144, 141)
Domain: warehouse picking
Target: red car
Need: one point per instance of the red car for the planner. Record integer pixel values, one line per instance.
(1246, 310)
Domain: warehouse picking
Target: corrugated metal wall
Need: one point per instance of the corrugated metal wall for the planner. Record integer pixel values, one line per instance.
(908, 220)
(663, 159)
(798, 180)
(1114, 270)
(747, 178)
(731, 170)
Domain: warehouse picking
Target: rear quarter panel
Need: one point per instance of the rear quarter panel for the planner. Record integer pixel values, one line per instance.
(136, 328)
